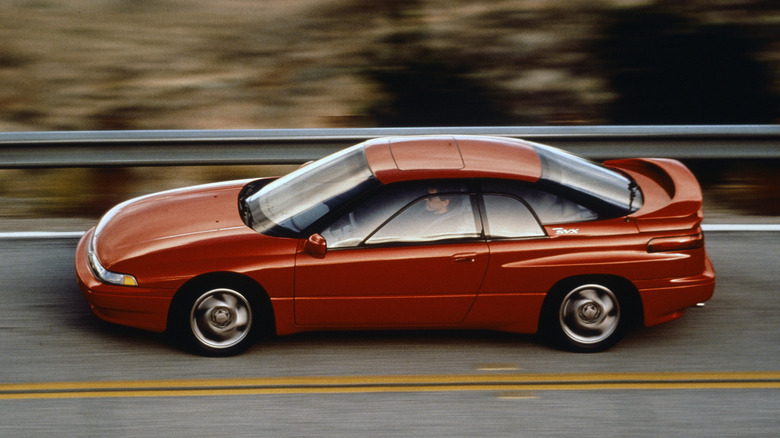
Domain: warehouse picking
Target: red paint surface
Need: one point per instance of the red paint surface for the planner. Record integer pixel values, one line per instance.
(168, 239)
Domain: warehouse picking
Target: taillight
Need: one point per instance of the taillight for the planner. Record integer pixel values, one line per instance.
(677, 243)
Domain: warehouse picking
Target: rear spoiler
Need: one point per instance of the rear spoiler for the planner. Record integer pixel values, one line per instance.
(672, 194)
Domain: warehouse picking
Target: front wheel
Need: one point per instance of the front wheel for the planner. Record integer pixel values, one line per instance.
(216, 321)
(587, 318)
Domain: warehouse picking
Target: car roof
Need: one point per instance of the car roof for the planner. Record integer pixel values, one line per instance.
(435, 157)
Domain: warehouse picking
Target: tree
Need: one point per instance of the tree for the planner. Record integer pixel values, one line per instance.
(431, 91)
(666, 69)
(420, 86)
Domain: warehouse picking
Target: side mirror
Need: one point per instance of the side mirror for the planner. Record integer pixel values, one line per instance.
(316, 246)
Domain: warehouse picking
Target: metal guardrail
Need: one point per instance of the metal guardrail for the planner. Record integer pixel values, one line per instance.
(291, 146)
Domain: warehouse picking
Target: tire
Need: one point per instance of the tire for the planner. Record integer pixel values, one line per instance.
(587, 317)
(214, 320)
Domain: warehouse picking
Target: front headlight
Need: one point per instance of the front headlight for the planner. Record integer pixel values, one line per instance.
(104, 274)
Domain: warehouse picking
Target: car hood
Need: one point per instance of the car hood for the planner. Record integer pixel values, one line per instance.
(172, 218)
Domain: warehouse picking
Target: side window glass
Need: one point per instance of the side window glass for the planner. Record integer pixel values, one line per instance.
(553, 209)
(549, 207)
(432, 218)
(508, 217)
(353, 227)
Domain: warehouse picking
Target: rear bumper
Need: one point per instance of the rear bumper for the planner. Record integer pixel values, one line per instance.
(132, 306)
(666, 299)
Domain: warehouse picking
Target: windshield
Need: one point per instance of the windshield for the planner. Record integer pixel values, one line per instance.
(584, 176)
(292, 203)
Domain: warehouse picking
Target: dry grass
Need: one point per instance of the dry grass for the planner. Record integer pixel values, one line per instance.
(86, 64)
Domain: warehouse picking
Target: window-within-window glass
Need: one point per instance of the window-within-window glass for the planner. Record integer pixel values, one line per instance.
(550, 208)
(508, 217)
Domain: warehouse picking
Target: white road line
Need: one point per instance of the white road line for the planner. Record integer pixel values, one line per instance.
(741, 227)
(77, 234)
(42, 235)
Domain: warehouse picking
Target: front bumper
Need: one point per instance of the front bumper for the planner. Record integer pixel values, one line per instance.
(666, 299)
(132, 306)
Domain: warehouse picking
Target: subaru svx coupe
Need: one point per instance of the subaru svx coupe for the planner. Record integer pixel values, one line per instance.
(462, 232)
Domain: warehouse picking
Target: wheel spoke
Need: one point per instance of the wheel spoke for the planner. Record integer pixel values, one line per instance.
(228, 300)
(589, 295)
(242, 318)
(608, 306)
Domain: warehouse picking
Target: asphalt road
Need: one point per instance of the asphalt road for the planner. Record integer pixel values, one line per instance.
(715, 372)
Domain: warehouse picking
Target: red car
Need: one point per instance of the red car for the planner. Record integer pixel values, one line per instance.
(408, 232)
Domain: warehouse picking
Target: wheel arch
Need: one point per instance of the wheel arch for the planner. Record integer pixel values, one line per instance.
(227, 279)
(623, 287)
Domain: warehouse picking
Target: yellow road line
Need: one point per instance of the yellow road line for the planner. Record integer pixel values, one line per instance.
(505, 383)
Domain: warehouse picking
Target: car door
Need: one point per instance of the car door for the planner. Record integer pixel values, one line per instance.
(414, 268)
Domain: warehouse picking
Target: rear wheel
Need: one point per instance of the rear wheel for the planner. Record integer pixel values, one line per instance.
(217, 320)
(587, 317)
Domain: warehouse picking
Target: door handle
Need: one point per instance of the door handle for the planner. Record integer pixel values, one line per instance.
(464, 258)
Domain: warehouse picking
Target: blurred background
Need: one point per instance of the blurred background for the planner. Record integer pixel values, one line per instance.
(248, 64)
